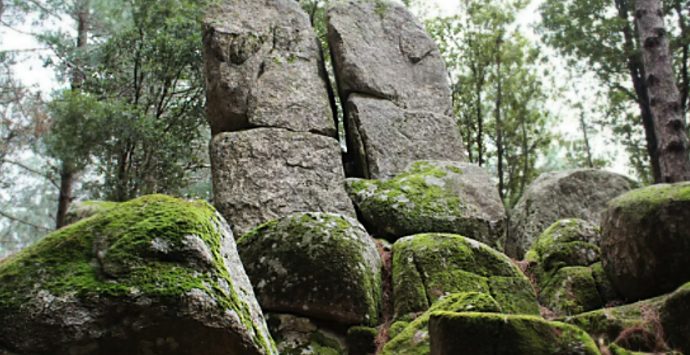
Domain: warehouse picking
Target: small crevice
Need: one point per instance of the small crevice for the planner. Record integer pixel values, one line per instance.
(387, 308)
(422, 276)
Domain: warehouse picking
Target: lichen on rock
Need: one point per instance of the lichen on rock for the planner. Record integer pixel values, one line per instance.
(163, 267)
(318, 265)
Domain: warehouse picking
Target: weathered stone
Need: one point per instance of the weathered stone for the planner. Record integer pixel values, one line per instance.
(499, 334)
(297, 335)
(84, 209)
(432, 196)
(264, 68)
(318, 265)
(380, 50)
(567, 242)
(361, 340)
(414, 338)
(267, 173)
(581, 193)
(675, 318)
(384, 138)
(394, 87)
(428, 266)
(645, 243)
(154, 275)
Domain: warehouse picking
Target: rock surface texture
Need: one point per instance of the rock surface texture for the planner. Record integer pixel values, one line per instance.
(579, 194)
(318, 265)
(498, 334)
(432, 196)
(155, 275)
(646, 240)
(263, 174)
(427, 267)
(394, 88)
(264, 68)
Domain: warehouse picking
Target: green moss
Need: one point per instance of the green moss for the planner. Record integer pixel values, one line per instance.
(518, 334)
(429, 266)
(361, 340)
(302, 262)
(396, 328)
(643, 201)
(414, 338)
(571, 290)
(111, 255)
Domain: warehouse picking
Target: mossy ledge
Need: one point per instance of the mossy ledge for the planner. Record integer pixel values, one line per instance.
(154, 248)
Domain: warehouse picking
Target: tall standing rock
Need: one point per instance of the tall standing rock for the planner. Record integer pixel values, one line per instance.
(274, 150)
(394, 87)
(264, 68)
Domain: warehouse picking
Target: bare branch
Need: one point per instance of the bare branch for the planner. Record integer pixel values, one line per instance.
(23, 221)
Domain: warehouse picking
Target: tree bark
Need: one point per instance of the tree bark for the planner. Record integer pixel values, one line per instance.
(637, 74)
(664, 95)
(585, 137)
(67, 170)
(499, 124)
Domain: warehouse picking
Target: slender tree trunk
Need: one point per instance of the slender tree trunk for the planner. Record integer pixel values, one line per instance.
(499, 123)
(585, 137)
(663, 93)
(636, 70)
(68, 171)
(684, 80)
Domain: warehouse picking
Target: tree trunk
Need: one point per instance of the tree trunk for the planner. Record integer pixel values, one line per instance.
(67, 170)
(499, 128)
(585, 137)
(636, 70)
(664, 95)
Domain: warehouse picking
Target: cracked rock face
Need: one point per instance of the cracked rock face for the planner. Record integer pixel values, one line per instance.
(394, 84)
(264, 68)
(155, 275)
(266, 173)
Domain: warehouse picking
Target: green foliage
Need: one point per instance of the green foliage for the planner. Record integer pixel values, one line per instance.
(504, 127)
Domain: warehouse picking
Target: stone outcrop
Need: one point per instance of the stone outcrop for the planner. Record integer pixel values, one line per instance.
(154, 275)
(427, 267)
(578, 193)
(264, 68)
(499, 334)
(263, 174)
(645, 243)
(85, 209)
(432, 197)
(317, 265)
(298, 335)
(394, 88)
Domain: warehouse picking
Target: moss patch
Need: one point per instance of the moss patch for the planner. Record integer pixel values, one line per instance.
(571, 290)
(646, 200)
(140, 247)
(429, 266)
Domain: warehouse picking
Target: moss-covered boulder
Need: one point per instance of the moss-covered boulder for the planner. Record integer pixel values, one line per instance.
(499, 334)
(413, 339)
(646, 240)
(84, 209)
(432, 196)
(567, 242)
(318, 265)
(428, 266)
(362, 340)
(152, 275)
(300, 336)
(566, 267)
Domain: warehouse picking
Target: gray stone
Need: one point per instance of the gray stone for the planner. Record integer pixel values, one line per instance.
(121, 282)
(394, 87)
(298, 335)
(264, 68)
(384, 138)
(581, 193)
(266, 173)
(84, 209)
(432, 196)
(318, 265)
(380, 50)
